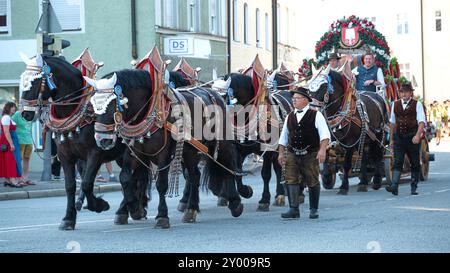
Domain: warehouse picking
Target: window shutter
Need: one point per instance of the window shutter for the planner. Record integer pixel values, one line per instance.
(68, 13)
(3, 12)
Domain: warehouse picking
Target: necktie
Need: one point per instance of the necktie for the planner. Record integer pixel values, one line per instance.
(299, 111)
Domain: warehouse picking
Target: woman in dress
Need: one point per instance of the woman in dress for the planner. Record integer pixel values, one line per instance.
(10, 161)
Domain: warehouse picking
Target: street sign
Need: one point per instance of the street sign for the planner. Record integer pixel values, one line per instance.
(179, 46)
(48, 23)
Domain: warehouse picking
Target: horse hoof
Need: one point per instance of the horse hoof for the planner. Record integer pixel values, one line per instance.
(342, 192)
(67, 225)
(162, 223)
(280, 201)
(78, 205)
(136, 215)
(121, 219)
(222, 202)
(182, 207)
(376, 186)
(238, 211)
(249, 193)
(99, 206)
(190, 216)
(362, 188)
(264, 207)
(301, 199)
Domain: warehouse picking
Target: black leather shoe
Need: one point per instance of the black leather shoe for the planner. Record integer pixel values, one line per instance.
(313, 214)
(292, 213)
(392, 189)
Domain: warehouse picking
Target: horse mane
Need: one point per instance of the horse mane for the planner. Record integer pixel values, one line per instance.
(62, 65)
(336, 76)
(240, 80)
(177, 78)
(132, 78)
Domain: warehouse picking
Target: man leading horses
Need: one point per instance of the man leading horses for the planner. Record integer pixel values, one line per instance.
(407, 124)
(306, 135)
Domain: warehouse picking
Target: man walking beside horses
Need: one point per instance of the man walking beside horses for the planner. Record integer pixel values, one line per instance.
(306, 136)
(407, 124)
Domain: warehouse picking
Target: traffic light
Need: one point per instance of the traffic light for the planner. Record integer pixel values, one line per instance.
(50, 45)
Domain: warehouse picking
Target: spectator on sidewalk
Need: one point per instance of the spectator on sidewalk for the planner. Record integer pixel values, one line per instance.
(10, 163)
(112, 177)
(23, 131)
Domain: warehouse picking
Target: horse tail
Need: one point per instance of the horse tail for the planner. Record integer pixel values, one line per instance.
(376, 151)
(214, 176)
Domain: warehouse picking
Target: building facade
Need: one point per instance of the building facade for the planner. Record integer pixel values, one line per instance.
(417, 32)
(195, 30)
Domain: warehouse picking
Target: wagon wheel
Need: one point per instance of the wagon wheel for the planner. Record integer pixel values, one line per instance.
(328, 175)
(424, 160)
(388, 166)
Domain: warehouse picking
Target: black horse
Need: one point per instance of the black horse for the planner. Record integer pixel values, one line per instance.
(347, 129)
(159, 146)
(64, 85)
(281, 102)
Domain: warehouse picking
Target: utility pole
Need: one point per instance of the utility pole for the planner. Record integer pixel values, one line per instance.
(50, 46)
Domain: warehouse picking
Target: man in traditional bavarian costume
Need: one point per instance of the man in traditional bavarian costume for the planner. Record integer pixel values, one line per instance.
(306, 136)
(368, 76)
(407, 124)
(333, 61)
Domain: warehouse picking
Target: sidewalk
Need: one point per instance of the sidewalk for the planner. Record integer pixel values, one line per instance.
(44, 189)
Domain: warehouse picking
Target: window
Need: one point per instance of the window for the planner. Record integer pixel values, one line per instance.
(246, 23)
(405, 70)
(170, 13)
(402, 24)
(286, 33)
(70, 14)
(258, 28)
(158, 13)
(235, 21)
(438, 21)
(217, 17)
(5, 14)
(194, 15)
(267, 32)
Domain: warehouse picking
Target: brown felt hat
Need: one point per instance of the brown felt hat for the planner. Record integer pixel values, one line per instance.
(302, 91)
(407, 87)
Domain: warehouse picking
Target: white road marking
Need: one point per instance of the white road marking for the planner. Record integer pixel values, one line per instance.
(425, 209)
(442, 191)
(15, 230)
(438, 173)
(48, 225)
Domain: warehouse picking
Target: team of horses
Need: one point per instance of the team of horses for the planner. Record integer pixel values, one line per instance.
(144, 119)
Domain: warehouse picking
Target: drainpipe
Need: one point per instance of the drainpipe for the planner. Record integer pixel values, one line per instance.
(275, 35)
(133, 30)
(423, 50)
(228, 36)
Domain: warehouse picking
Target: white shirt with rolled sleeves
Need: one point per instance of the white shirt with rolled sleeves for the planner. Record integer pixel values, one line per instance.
(420, 116)
(321, 126)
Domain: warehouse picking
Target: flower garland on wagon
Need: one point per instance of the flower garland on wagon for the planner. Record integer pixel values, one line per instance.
(367, 33)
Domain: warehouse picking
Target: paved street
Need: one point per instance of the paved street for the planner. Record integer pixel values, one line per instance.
(360, 222)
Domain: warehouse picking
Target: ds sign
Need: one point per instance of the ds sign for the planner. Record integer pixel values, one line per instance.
(178, 46)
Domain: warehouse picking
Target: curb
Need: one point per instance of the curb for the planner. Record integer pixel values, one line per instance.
(53, 192)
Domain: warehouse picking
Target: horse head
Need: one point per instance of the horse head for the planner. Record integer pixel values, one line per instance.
(120, 97)
(239, 89)
(44, 78)
(326, 88)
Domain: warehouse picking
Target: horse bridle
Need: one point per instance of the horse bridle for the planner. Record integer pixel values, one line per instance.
(39, 103)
